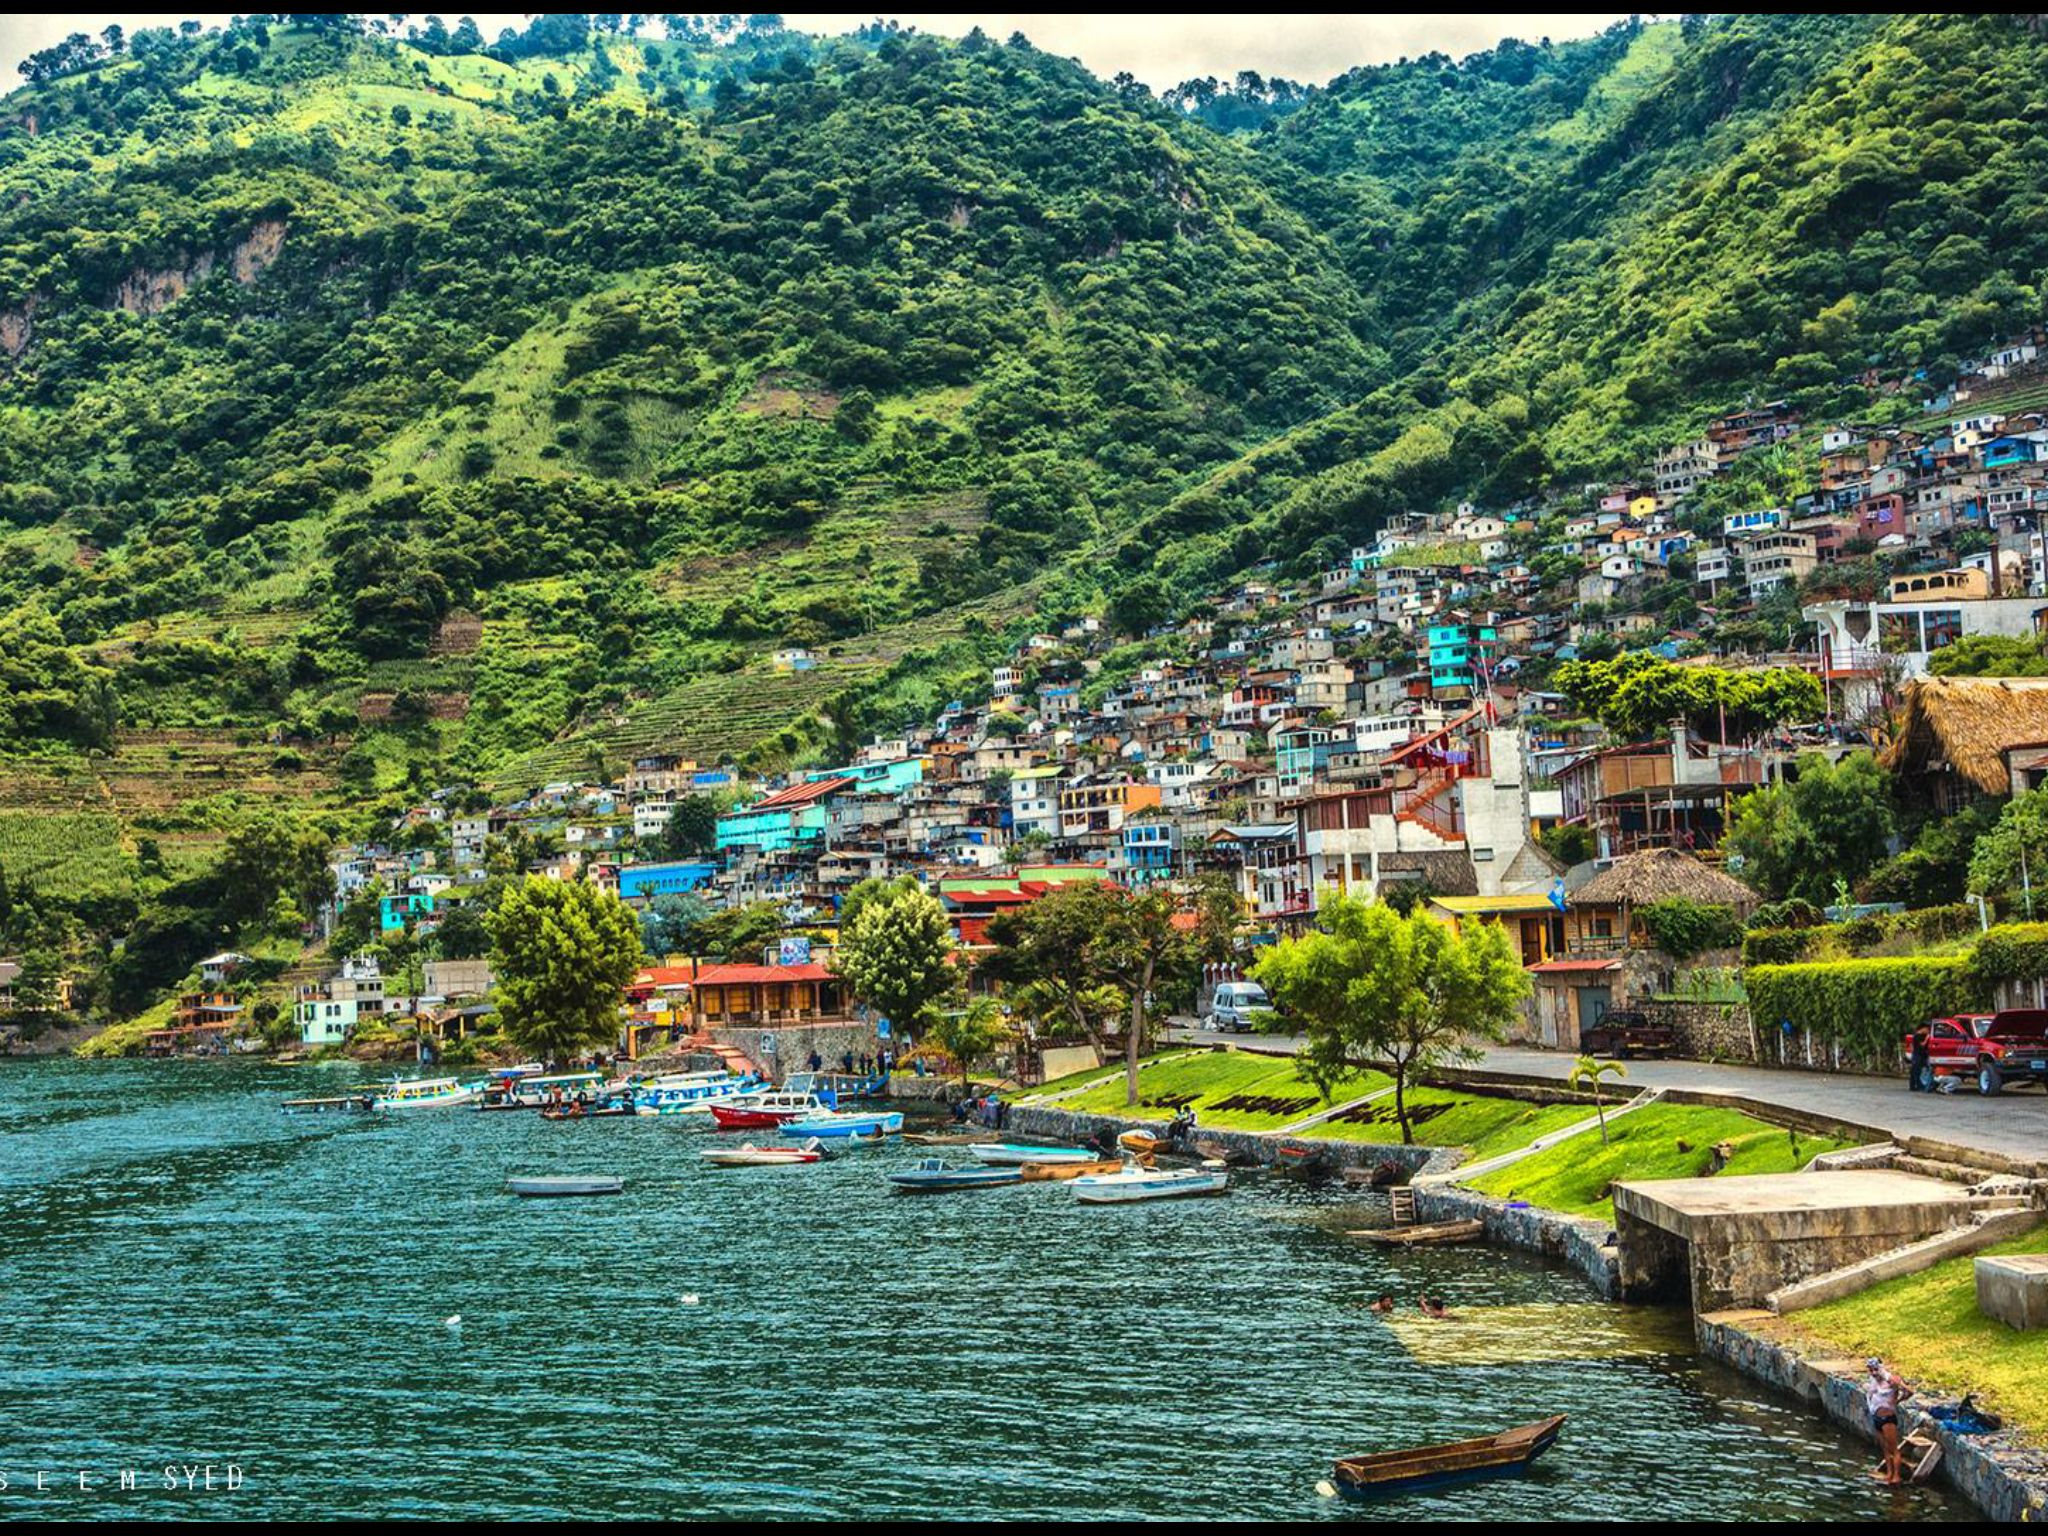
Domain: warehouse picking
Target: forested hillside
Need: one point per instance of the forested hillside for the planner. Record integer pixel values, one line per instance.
(377, 412)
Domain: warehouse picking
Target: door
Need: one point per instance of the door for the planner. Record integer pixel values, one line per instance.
(1593, 1005)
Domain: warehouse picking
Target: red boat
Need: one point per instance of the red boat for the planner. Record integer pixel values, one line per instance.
(764, 1111)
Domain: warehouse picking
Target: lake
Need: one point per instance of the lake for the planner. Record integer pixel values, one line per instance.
(194, 1279)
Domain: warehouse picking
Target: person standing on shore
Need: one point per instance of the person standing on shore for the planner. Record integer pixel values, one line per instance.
(1883, 1391)
(1917, 1080)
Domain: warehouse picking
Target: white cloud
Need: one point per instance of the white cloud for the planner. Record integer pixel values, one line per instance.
(1161, 51)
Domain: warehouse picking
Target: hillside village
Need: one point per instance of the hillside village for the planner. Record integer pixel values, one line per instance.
(1382, 731)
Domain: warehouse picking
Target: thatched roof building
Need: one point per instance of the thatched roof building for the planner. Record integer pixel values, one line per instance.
(1637, 879)
(1958, 734)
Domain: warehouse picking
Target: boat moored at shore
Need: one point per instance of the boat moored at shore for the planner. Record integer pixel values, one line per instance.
(424, 1093)
(1135, 1184)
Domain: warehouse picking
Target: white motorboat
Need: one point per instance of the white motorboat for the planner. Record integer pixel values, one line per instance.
(1134, 1184)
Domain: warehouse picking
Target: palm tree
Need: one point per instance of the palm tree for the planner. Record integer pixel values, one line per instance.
(1586, 1072)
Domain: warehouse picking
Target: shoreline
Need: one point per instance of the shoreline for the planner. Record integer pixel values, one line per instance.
(1998, 1473)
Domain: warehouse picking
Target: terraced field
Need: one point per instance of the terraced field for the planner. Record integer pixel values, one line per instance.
(76, 853)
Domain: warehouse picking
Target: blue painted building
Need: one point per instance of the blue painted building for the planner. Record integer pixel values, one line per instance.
(644, 882)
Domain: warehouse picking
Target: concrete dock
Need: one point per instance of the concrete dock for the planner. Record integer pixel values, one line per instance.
(1731, 1242)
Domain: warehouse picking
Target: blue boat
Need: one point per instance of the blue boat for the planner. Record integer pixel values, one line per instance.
(865, 1127)
(934, 1174)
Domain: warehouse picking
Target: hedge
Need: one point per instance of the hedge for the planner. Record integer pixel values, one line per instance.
(1867, 1005)
(2009, 952)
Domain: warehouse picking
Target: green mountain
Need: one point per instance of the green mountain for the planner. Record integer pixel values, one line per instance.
(375, 413)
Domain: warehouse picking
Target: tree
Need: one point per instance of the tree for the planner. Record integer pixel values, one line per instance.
(1072, 947)
(1834, 820)
(1587, 1073)
(1373, 988)
(692, 828)
(670, 922)
(968, 1034)
(897, 953)
(736, 933)
(562, 953)
(2013, 856)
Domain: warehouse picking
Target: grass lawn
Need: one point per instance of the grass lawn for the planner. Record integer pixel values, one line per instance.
(1664, 1141)
(1229, 1090)
(1928, 1328)
(1442, 1118)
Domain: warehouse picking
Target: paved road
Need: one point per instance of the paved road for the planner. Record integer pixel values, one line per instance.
(2014, 1124)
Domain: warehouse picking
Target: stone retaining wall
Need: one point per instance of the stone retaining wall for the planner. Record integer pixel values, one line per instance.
(1261, 1147)
(1707, 1031)
(1995, 1472)
(1579, 1241)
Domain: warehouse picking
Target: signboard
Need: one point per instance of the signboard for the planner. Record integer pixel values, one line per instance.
(767, 1044)
(881, 1029)
(794, 951)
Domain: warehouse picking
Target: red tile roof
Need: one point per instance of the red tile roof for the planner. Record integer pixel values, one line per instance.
(799, 794)
(1563, 967)
(728, 975)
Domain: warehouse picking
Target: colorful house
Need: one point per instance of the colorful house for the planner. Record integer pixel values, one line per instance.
(782, 820)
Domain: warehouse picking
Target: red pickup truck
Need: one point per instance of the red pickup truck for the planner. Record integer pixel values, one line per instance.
(1994, 1048)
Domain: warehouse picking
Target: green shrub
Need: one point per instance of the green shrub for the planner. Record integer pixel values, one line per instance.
(1683, 928)
(1786, 914)
(2009, 952)
(1775, 946)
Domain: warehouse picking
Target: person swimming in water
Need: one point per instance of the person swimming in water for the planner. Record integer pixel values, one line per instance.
(1383, 1303)
(1432, 1306)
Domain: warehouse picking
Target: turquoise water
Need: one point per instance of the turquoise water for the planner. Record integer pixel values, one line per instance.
(192, 1278)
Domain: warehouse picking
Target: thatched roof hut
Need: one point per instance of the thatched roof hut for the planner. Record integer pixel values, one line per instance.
(1637, 879)
(1956, 732)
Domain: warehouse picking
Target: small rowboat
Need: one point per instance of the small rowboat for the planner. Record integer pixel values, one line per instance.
(1507, 1454)
(1423, 1236)
(1144, 1143)
(935, 1174)
(348, 1104)
(1033, 1173)
(566, 1184)
(1012, 1154)
(751, 1156)
(1134, 1184)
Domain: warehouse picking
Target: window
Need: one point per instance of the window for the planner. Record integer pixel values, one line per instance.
(1943, 627)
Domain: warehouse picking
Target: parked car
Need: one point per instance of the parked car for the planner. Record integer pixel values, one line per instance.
(1995, 1048)
(1627, 1033)
(1238, 1005)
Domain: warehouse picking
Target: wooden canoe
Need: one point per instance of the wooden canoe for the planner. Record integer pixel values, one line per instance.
(1507, 1454)
(1142, 1142)
(1430, 1232)
(1036, 1172)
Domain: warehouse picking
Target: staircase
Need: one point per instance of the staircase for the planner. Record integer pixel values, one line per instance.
(1402, 1199)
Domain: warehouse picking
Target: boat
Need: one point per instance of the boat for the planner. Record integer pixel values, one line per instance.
(934, 1174)
(689, 1093)
(1426, 1234)
(600, 1109)
(516, 1088)
(1507, 1454)
(1134, 1184)
(751, 1156)
(345, 1104)
(765, 1109)
(554, 1185)
(1015, 1154)
(1064, 1168)
(1143, 1143)
(861, 1127)
(836, 1088)
(423, 1093)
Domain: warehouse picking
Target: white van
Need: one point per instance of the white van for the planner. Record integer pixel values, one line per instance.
(1235, 1003)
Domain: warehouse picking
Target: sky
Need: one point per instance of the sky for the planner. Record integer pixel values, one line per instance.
(1162, 52)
